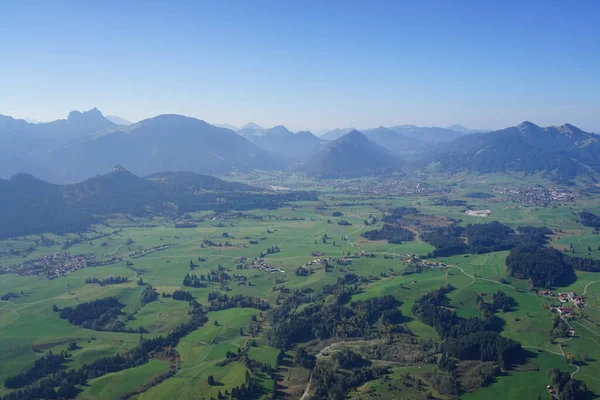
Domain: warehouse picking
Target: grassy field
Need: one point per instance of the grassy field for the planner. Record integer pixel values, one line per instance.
(29, 327)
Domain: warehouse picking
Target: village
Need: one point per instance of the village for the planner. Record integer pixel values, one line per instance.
(535, 195)
(57, 264)
(563, 298)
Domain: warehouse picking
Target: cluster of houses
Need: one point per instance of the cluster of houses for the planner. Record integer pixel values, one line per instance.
(414, 260)
(565, 312)
(57, 264)
(536, 195)
(571, 296)
(261, 264)
(564, 297)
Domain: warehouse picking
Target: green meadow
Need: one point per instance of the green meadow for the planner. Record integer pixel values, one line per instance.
(29, 328)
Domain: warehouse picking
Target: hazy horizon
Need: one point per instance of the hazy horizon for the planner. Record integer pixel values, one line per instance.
(308, 66)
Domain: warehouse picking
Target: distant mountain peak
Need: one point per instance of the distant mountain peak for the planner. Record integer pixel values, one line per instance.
(119, 168)
(251, 125)
(93, 113)
(526, 125)
(353, 134)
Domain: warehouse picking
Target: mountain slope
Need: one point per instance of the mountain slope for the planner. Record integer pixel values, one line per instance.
(335, 134)
(118, 120)
(352, 155)
(162, 143)
(279, 141)
(395, 142)
(32, 206)
(563, 150)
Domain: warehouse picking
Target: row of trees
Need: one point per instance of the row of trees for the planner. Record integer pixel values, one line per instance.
(43, 366)
(220, 301)
(111, 280)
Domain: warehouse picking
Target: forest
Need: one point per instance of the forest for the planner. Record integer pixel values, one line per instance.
(102, 315)
(465, 339)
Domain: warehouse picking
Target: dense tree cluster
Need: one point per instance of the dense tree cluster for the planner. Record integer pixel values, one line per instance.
(332, 383)
(193, 281)
(9, 295)
(566, 387)
(583, 264)
(101, 315)
(302, 271)
(149, 294)
(43, 366)
(465, 339)
(559, 328)
(447, 240)
(396, 215)
(348, 359)
(304, 359)
(324, 320)
(542, 266)
(111, 280)
(480, 238)
(220, 301)
(493, 236)
(589, 219)
(392, 233)
(182, 295)
(534, 234)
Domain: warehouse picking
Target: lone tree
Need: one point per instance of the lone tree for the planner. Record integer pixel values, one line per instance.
(211, 380)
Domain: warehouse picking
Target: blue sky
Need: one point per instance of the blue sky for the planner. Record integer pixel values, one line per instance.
(306, 64)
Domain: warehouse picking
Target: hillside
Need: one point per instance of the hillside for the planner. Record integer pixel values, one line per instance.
(335, 134)
(285, 145)
(395, 142)
(564, 151)
(162, 143)
(33, 206)
(350, 156)
(87, 143)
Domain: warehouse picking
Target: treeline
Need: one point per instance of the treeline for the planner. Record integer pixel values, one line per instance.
(149, 294)
(480, 238)
(111, 280)
(589, 219)
(394, 234)
(464, 339)
(63, 384)
(327, 319)
(100, 315)
(182, 295)
(43, 366)
(220, 301)
(479, 195)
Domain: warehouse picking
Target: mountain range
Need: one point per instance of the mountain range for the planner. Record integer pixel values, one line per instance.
(288, 147)
(87, 143)
(30, 205)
